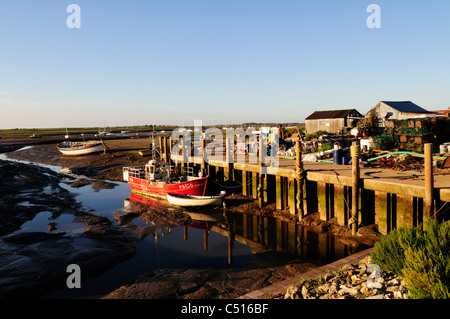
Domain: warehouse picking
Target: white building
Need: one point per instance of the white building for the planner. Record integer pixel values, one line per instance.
(398, 110)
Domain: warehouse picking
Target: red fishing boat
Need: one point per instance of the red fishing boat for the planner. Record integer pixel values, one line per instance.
(156, 180)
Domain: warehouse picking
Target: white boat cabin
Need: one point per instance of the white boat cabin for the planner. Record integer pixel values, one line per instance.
(153, 171)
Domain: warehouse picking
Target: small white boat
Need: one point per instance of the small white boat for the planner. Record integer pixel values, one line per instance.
(81, 148)
(194, 201)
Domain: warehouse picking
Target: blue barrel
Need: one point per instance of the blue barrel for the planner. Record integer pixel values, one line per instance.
(337, 156)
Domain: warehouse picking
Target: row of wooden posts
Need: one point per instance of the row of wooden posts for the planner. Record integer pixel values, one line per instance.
(300, 178)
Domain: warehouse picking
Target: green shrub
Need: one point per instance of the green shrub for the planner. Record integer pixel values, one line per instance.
(427, 268)
(420, 256)
(389, 253)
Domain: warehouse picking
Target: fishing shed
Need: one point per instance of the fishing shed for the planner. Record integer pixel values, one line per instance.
(332, 121)
(397, 110)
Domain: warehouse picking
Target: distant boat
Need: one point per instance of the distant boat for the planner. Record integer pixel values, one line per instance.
(194, 201)
(81, 148)
(35, 136)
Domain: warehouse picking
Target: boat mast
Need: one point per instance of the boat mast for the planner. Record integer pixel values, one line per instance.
(153, 144)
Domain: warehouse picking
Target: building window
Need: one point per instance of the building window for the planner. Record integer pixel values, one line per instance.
(324, 123)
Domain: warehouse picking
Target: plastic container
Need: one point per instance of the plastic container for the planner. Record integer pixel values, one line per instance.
(337, 156)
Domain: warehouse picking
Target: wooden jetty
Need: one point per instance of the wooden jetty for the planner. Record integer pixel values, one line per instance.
(352, 194)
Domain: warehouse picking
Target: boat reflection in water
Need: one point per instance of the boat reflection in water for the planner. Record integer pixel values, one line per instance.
(259, 233)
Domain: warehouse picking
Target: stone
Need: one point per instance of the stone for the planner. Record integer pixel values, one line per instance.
(333, 288)
(305, 294)
(378, 296)
(398, 295)
(365, 291)
(66, 171)
(392, 288)
(362, 269)
(352, 291)
(291, 292)
(323, 289)
(393, 282)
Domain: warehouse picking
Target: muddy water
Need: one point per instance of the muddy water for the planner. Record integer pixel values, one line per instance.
(215, 239)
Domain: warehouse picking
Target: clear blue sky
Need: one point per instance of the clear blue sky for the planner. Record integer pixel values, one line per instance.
(220, 61)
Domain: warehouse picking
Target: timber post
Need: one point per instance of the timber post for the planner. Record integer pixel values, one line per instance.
(429, 181)
(203, 164)
(260, 178)
(353, 223)
(299, 177)
(183, 153)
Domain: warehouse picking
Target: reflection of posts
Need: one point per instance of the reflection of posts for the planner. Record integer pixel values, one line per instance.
(205, 239)
(230, 246)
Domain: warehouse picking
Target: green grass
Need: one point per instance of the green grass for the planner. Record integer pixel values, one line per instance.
(75, 131)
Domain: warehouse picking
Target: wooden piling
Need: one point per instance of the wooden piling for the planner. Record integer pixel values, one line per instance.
(261, 175)
(429, 181)
(183, 154)
(299, 174)
(355, 186)
(203, 164)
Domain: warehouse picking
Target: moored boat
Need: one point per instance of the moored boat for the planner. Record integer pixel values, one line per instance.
(194, 201)
(156, 180)
(81, 148)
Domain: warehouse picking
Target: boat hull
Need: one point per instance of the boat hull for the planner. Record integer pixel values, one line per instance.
(193, 201)
(81, 151)
(194, 187)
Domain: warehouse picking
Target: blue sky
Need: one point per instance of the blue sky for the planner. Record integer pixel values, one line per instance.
(220, 61)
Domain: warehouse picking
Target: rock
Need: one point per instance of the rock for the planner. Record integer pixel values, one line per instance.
(291, 292)
(352, 291)
(393, 282)
(65, 171)
(356, 279)
(374, 284)
(392, 288)
(364, 290)
(333, 288)
(323, 289)
(305, 294)
(378, 296)
(362, 269)
(398, 295)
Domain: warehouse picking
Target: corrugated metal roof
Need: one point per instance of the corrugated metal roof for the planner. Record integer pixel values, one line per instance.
(334, 114)
(405, 106)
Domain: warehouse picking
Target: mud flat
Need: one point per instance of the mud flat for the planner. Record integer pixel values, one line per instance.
(107, 166)
(33, 263)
